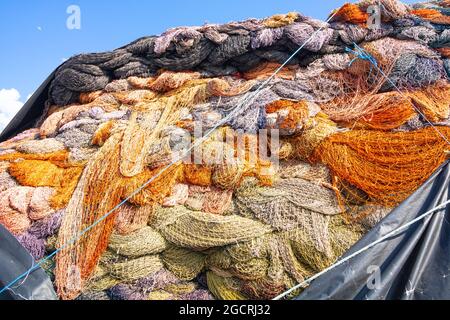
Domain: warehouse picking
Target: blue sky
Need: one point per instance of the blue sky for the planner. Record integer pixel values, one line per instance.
(35, 39)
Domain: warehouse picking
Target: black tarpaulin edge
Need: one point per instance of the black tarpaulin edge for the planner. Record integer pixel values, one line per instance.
(14, 261)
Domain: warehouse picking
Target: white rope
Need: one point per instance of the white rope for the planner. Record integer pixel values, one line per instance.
(356, 253)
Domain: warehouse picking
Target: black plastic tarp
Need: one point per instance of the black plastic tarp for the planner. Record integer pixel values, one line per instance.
(14, 261)
(413, 265)
(31, 111)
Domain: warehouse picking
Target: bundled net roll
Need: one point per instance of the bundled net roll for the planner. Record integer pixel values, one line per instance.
(384, 166)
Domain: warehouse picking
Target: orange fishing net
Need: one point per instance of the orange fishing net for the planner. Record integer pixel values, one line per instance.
(445, 3)
(280, 20)
(267, 69)
(198, 175)
(445, 52)
(426, 13)
(130, 218)
(169, 80)
(38, 173)
(255, 162)
(350, 13)
(57, 158)
(223, 88)
(27, 135)
(140, 83)
(359, 104)
(385, 111)
(96, 195)
(297, 112)
(386, 166)
(433, 101)
(431, 15)
(315, 131)
(225, 158)
(45, 170)
(103, 133)
(351, 92)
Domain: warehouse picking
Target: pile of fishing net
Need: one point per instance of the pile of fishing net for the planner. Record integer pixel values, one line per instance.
(362, 120)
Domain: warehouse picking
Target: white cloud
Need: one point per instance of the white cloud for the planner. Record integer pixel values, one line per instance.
(10, 104)
(39, 28)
